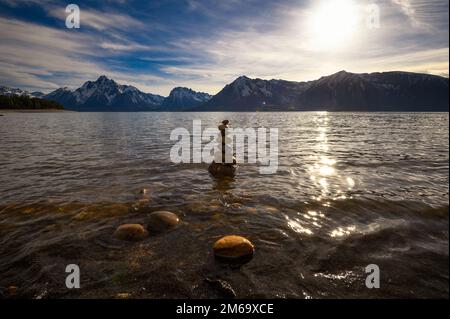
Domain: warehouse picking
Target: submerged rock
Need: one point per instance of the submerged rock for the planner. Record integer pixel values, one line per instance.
(140, 204)
(222, 286)
(219, 169)
(271, 209)
(12, 290)
(233, 247)
(162, 220)
(235, 206)
(131, 232)
(102, 211)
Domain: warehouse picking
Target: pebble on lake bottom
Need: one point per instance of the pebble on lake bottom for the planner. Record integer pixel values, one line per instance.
(233, 247)
(123, 295)
(235, 206)
(223, 287)
(102, 211)
(131, 232)
(12, 290)
(251, 210)
(141, 203)
(270, 209)
(162, 220)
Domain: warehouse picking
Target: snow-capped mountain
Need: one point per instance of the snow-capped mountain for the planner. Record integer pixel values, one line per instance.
(105, 95)
(4, 90)
(245, 93)
(342, 91)
(37, 94)
(386, 91)
(61, 95)
(181, 98)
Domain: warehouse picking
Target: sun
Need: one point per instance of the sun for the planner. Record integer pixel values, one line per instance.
(332, 24)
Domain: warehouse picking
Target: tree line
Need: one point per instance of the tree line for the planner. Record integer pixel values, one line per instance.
(26, 102)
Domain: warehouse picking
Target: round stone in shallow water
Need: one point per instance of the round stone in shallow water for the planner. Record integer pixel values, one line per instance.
(233, 247)
(123, 295)
(131, 232)
(162, 220)
(270, 209)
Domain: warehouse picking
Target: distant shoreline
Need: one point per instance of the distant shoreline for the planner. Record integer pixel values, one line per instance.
(265, 111)
(33, 111)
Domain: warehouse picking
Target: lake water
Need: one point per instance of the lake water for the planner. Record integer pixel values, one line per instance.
(352, 189)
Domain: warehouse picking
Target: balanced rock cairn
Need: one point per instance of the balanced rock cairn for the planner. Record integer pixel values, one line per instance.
(219, 166)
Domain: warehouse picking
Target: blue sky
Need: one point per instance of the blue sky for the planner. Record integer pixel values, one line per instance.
(157, 45)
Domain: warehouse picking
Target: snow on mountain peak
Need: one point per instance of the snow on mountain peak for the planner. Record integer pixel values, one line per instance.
(4, 90)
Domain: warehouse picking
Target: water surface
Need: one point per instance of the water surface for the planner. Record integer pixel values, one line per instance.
(351, 189)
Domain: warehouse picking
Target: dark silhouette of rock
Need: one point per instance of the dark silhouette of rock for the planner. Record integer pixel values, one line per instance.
(219, 167)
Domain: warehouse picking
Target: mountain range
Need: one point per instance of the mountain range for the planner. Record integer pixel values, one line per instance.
(105, 95)
(5, 90)
(342, 91)
(181, 98)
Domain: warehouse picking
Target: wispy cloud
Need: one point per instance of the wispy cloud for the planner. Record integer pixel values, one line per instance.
(58, 58)
(427, 14)
(206, 44)
(101, 21)
(284, 52)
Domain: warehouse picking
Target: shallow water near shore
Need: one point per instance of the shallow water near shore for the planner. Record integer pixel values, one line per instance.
(352, 189)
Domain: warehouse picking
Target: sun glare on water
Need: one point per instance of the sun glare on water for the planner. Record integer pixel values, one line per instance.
(332, 24)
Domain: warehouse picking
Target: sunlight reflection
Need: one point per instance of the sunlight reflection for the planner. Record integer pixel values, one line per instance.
(322, 170)
(295, 225)
(342, 231)
(339, 276)
(350, 182)
(326, 170)
(305, 223)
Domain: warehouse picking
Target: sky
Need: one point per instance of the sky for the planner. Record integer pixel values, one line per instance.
(204, 45)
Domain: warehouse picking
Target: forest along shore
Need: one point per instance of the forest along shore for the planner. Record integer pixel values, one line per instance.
(33, 111)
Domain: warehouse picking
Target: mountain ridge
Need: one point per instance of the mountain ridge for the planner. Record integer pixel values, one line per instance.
(341, 91)
(105, 94)
(183, 97)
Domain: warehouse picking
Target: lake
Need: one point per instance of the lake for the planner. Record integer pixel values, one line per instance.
(351, 189)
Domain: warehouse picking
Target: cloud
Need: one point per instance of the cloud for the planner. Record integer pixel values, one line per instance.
(285, 52)
(99, 20)
(406, 7)
(17, 3)
(202, 47)
(429, 15)
(44, 58)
